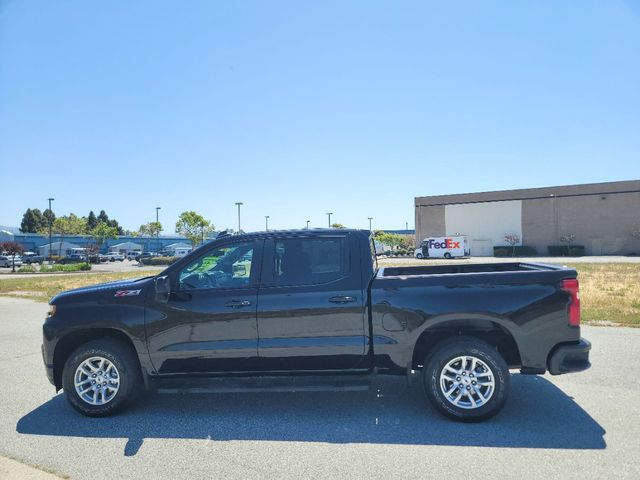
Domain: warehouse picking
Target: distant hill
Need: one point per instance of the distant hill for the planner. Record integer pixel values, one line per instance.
(13, 230)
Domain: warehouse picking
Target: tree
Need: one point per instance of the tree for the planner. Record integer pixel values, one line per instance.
(49, 218)
(102, 232)
(12, 249)
(512, 239)
(151, 229)
(103, 217)
(390, 239)
(337, 225)
(193, 226)
(66, 225)
(568, 238)
(32, 221)
(92, 221)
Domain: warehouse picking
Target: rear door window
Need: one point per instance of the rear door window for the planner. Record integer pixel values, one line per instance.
(309, 261)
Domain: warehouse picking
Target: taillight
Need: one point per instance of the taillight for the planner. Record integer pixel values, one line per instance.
(572, 287)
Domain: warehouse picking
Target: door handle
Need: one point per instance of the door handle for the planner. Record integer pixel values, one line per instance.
(342, 299)
(238, 303)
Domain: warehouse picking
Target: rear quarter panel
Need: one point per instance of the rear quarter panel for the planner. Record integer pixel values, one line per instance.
(528, 305)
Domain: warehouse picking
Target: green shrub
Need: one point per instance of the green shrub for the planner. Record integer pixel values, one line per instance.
(158, 260)
(27, 269)
(576, 250)
(517, 251)
(566, 250)
(71, 267)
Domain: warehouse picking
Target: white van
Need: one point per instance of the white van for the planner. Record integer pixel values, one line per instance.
(443, 247)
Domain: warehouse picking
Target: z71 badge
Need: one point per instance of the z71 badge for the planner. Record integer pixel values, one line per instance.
(127, 293)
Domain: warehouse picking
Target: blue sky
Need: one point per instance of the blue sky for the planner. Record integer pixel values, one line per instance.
(300, 108)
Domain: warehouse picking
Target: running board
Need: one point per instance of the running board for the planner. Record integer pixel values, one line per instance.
(263, 384)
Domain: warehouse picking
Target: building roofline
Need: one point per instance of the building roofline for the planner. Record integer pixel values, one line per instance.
(605, 188)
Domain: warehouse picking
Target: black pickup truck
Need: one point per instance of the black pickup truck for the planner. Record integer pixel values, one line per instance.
(313, 304)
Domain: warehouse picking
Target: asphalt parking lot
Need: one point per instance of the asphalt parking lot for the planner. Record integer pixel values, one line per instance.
(575, 426)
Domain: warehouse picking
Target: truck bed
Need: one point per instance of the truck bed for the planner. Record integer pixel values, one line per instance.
(473, 268)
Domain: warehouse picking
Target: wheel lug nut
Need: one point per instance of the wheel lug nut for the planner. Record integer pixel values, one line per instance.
(468, 387)
(458, 378)
(473, 383)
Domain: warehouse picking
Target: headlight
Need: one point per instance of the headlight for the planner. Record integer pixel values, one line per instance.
(52, 311)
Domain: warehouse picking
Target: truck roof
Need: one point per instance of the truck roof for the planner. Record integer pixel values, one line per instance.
(298, 232)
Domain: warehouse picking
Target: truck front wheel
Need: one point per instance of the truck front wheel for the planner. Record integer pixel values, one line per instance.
(466, 379)
(100, 377)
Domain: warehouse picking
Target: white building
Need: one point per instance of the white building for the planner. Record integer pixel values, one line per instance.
(126, 248)
(178, 249)
(62, 249)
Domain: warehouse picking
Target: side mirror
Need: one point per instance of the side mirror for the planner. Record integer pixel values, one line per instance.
(240, 270)
(163, 289)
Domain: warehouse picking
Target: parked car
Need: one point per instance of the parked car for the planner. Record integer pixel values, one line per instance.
(133, 255)
(114, 256)
(9, 261)
(313, 304)
(73, 258)
(144, 255)
(31, 257)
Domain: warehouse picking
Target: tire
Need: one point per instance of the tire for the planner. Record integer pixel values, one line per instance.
(489, 367)
(419, 256)
(447, 255)
(126, 370)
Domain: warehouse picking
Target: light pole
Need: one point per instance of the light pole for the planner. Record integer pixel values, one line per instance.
(266, 222)
(370, 218)
(329, 215)
(406, 226)
(50, 215)
(307, 224)
(157, 231)
(239, 204)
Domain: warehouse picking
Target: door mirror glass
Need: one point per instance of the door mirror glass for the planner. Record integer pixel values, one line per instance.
(163, 289)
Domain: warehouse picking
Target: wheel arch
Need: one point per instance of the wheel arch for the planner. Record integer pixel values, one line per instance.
(491, 332)
(70, 342)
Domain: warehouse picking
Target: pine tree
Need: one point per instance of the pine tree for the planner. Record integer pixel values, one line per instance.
(92, 221)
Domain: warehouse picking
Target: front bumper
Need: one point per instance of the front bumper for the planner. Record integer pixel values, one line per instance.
(568, 358)
(47, 367)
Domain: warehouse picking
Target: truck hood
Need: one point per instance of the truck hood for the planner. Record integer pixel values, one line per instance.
(101, 290)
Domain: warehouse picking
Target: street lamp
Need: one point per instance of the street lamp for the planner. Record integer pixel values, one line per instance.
(307, 224)
(50, 216)
(157, 231)
(239, 204)
(266, 222)
(329, 215)
(370, 218)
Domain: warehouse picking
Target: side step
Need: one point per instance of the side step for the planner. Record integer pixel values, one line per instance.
(264, 384)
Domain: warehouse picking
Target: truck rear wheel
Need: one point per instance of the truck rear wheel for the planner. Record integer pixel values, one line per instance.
(447, 255)
(100, 377)
(466, 379)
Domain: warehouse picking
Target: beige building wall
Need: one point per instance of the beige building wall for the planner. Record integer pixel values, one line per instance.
(429, 222)
(602, 223)
(602, 217)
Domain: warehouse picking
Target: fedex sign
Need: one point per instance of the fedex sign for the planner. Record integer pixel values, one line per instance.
(447, 244)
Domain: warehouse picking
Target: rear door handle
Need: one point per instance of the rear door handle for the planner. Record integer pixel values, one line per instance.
(342, 299)
(238, 303)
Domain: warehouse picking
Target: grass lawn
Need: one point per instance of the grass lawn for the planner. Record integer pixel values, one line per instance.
(42, 288)
(609, 292)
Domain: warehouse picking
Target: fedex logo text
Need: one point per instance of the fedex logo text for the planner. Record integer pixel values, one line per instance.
(447, 244)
